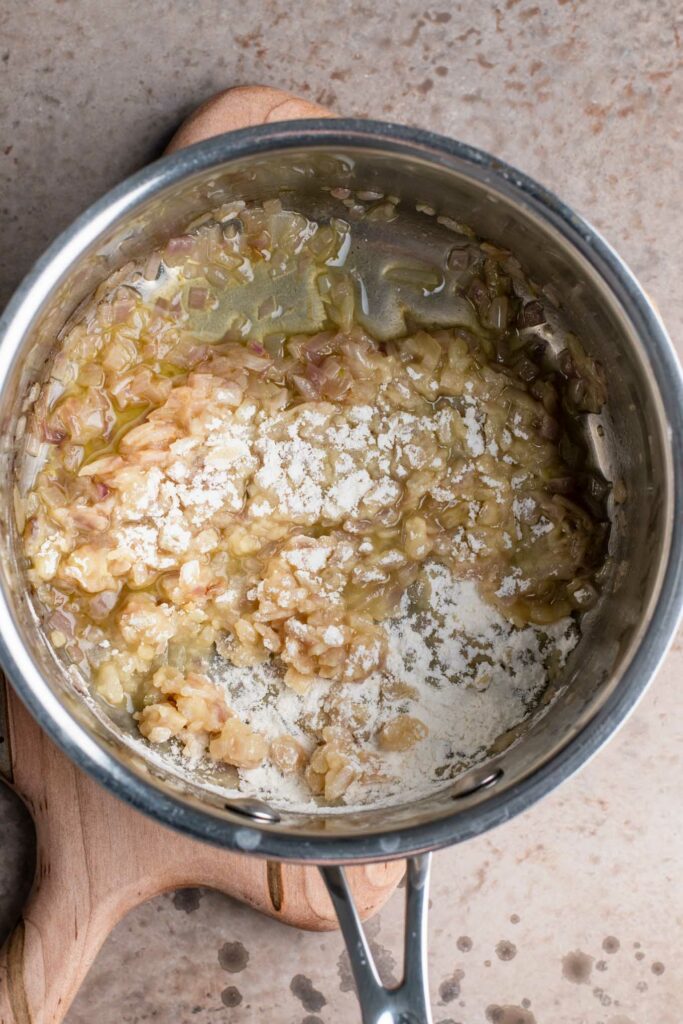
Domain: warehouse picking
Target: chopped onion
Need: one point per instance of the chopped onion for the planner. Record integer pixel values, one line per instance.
(123, 305)
(197, 298)
(152, 267)
(54, 434)
(532, 315)
(495, 251)
(619, 492)
(455, 225)
(318, 346)
(498, 313)
(102, 604)
(526, 370)
(576, 392)
(307, 388)
(418, 275)
(182, 245)
(317, 376)
(562, 484)
(479, 296)
(217, 276)
(253, 361)
(267, 307)
(274, 345)
(62, 622)
(272, 206)
(550, 428)
(385, 212)
(458, 259)
(582, 594)
(19, 510)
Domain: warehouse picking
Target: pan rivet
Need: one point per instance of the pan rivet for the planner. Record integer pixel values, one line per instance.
(254, 809)
(471, 786)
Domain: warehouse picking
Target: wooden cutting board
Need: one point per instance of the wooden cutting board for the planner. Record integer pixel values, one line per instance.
(96, 857)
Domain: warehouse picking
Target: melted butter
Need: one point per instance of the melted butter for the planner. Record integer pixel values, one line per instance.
(126, 419)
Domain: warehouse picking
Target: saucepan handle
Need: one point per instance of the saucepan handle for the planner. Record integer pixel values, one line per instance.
(409, 1002)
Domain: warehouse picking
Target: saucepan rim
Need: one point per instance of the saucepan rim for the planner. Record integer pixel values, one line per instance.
(341, 135)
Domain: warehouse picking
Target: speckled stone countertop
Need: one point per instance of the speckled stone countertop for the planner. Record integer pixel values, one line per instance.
(571, 914)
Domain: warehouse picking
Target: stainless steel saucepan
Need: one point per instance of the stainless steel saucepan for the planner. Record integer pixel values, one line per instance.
(637, 441)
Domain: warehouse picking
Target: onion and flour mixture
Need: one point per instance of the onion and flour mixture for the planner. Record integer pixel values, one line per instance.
(326, 567)
(457, 676)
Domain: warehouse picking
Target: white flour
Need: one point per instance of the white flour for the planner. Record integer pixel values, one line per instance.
(313, 463)
(471, 677)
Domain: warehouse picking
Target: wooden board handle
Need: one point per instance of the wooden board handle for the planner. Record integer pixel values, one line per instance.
(96, 857)
(242, 107)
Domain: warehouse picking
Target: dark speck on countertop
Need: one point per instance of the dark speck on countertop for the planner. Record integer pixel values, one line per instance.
(233, 957)
(303, 988)
(449, 989)
(577, 967)
(231, 996)
(187, 900)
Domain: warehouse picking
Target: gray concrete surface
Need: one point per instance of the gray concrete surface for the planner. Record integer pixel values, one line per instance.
(572, 914)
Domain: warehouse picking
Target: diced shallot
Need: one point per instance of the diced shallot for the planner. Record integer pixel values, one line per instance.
(197, 298)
